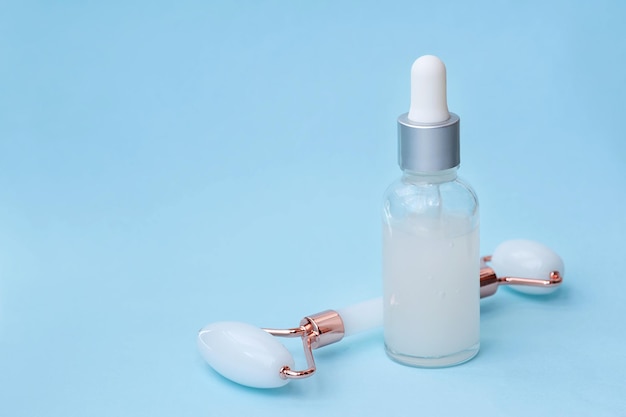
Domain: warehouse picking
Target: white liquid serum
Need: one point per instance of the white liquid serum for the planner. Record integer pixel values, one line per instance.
(431, 265)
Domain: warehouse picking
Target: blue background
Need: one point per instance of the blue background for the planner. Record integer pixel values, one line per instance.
(163, 166)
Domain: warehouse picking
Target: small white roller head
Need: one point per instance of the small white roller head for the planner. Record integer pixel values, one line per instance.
(244, 354)
(429, 102)
(526, 259)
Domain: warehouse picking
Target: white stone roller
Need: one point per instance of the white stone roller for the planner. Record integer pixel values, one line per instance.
(252, 356)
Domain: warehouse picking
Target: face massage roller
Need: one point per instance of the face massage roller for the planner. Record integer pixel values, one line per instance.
(250, 356)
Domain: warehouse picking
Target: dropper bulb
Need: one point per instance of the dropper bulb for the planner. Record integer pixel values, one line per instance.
(429, 103)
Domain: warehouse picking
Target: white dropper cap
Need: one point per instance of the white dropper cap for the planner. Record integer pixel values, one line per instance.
(429, 103)
(428, 134)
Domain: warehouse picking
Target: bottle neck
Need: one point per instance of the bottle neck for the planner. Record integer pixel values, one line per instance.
(435, 177)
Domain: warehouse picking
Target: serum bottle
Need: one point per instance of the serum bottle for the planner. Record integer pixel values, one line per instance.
(431, 261)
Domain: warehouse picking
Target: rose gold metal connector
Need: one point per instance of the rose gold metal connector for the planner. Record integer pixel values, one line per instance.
(317, 330)
(489, 282)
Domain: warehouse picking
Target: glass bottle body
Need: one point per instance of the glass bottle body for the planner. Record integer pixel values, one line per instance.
(431, 267)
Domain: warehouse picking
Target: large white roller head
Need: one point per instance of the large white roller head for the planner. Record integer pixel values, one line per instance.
(244, 353)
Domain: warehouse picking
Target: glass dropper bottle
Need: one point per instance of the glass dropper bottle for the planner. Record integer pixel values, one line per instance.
(431, 296)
